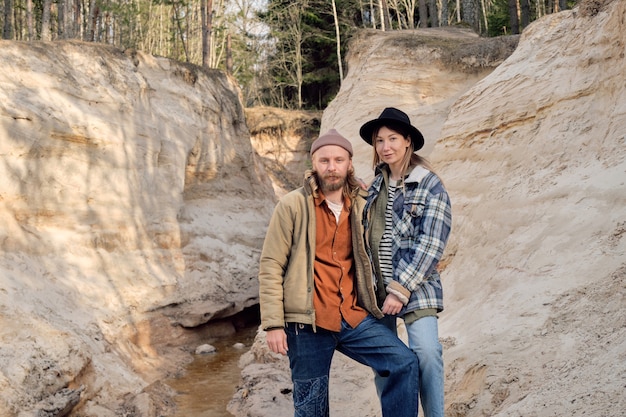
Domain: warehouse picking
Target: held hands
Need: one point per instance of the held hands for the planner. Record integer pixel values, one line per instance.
(392, 305)
(277, 341)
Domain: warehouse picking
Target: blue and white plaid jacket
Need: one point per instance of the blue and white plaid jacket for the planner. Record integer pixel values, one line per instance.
(421, 225)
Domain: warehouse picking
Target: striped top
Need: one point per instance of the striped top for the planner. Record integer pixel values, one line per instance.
(384, 250)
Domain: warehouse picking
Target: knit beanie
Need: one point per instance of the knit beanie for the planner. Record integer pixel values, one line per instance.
(332, 137)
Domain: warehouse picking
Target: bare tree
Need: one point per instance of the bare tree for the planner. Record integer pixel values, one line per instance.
(384, 14)
(295, 12)
(61, 19)
(485, 19)
(181, 32)
(206, 11)
(29, 20)
(444, 13)
(289, 54)
(90, 33)
(338, 42)
(525, 13)
(229, 55)
(45, 20)
(469, 13)
(513, 17)
(409, 7)
(7, 30)
(432, 13)
(423, 11)
(373, 14)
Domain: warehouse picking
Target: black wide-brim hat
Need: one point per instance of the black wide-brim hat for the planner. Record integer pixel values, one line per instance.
(394, 116)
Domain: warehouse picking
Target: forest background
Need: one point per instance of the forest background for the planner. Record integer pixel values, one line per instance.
(283, 53)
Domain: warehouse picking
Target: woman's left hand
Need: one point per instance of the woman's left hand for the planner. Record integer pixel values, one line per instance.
(392, 305)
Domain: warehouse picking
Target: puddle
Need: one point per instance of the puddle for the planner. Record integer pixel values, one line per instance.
(211, 379)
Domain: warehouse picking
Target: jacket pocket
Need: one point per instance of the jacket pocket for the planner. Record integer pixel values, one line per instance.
(409, 225)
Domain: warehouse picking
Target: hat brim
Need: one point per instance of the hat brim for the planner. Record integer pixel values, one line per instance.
(367, 130)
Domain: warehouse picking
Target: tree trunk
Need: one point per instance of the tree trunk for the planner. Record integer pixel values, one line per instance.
(338, 38)
(432, 13)
(385, 14)
(525, 13)
(7, 30)
(513, 17)
(206, 11)
(180, 31)
(61, 19)
(206, 48)
(372, 14)
(410, 13)
(45, 20)
(469, 13)
(91, 21)
(444, 13)
(485, 19)
(229, 55)
(29, 20)
(423, 21)
(79, 29)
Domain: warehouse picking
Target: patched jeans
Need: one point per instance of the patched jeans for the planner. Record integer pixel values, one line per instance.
(370, 343)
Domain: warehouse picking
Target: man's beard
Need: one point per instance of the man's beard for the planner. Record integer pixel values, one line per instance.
(334, 185)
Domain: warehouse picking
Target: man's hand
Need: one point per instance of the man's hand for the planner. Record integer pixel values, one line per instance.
(392, 305)
(277, 341)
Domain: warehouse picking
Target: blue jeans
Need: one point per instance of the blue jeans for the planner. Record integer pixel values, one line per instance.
(423, 337)
(370, 343)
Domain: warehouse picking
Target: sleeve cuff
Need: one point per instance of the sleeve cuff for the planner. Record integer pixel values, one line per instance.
(399, 291)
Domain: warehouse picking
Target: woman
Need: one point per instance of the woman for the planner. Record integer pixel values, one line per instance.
(407, 220)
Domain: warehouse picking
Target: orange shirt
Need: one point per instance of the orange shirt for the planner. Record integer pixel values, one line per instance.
(335, 295)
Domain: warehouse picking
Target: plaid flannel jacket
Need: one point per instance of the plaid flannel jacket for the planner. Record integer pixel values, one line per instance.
(421, 226)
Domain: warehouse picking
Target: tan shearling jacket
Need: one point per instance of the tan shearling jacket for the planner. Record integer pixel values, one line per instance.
(286, 267)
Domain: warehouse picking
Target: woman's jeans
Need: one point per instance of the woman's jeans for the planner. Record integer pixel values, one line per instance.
(423, 337)
(370, 343)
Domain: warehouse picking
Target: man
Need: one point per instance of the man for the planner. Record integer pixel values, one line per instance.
(316, 288)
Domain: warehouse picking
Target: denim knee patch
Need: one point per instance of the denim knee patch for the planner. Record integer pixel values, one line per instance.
(310, 397)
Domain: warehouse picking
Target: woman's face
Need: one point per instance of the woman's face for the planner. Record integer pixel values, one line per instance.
(391, 146)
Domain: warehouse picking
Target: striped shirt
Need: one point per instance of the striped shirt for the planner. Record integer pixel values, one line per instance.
(386, 241)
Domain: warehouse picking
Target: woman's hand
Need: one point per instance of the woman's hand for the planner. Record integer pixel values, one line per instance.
(392, 305)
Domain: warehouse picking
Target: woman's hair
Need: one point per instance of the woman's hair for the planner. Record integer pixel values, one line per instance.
(410, 159)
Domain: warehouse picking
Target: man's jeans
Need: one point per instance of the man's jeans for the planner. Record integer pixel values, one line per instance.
(370, 343)
(423, 337)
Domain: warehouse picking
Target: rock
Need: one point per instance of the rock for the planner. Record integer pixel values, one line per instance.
(128, 186)
(204, 349)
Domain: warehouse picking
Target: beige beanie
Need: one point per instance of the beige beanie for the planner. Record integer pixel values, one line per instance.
(332, 137)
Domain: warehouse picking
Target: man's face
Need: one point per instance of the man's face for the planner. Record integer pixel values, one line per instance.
(332, 163)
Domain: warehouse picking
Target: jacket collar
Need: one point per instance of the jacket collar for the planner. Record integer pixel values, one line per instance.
(416, 175)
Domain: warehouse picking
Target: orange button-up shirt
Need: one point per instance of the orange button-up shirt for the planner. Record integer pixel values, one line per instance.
(335, 294)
